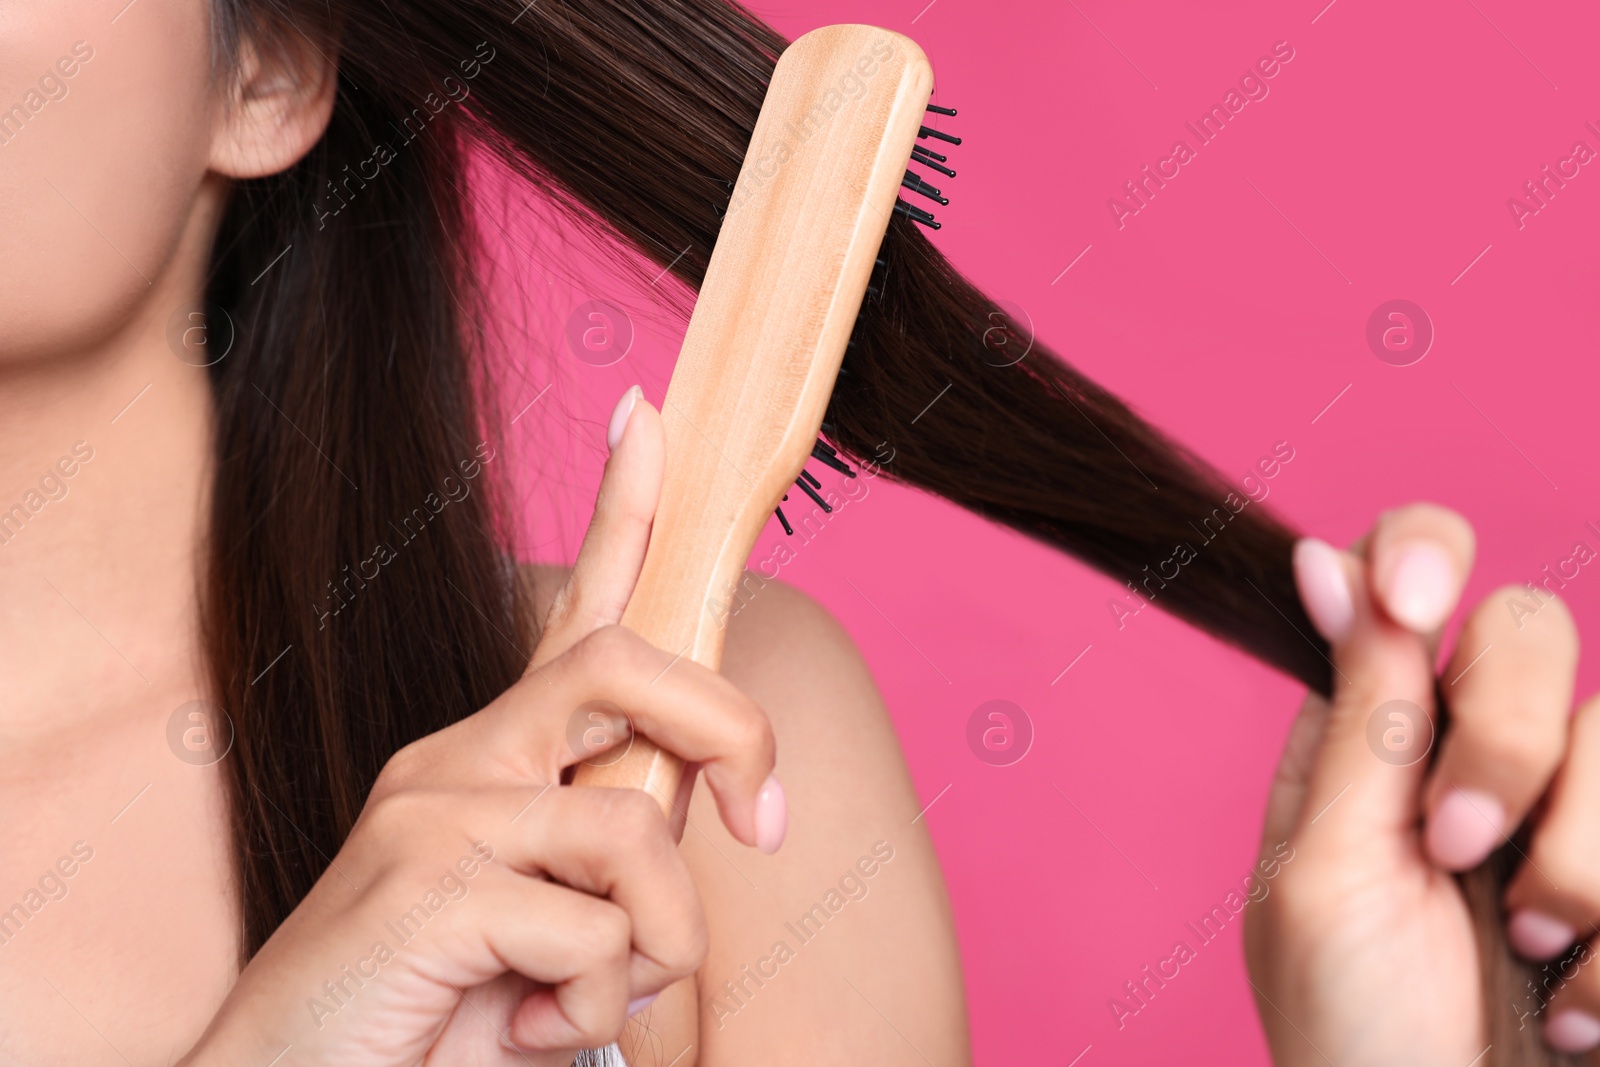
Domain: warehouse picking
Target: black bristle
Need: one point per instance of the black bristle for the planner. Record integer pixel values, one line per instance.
(919, 150)
(830, 458)
(812, 493)
(928, 162)
(922, 188)
(785, 522)
(810, 479)
(916, 214)
(937, 110)
(929, 131)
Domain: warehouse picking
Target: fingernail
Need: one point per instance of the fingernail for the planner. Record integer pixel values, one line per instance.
(772, 816)
(1324, 590)
(1537, 936)
(636, 1006)
(1572, 1031)
(1464, 828)
(1421, 588)
(619, 416)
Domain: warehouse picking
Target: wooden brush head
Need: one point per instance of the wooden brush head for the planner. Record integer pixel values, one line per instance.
(775, 312)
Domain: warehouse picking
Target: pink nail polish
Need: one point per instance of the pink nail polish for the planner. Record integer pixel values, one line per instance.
(636, 1006)
(1464, 828)
(619, 416)
(1572, 1031)
(1324, 590)
(1537, 936)
(772, 816)
(1420, 590)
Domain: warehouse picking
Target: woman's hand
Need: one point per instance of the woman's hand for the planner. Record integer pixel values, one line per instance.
(1363, 950)
(478, 904)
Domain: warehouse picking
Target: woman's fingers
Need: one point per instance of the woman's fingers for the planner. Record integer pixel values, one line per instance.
(1509, 687)
(1572, 1018)
(578, 945)
(624, 923)
(1418, 559)
(583, 890)
(680, 705)
(1378, 728)
(1555, 897)
(608, 564)
(687, 709)
(615, 844)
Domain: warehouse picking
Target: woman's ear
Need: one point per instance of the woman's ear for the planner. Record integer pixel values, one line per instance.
(275, 109)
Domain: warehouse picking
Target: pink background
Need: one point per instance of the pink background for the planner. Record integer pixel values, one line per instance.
(1231, 311)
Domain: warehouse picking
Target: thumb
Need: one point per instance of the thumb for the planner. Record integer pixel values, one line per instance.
(1381, 720)
(602, 579)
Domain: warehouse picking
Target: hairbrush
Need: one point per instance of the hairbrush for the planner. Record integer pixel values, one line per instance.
(842, 119)
(794, 259)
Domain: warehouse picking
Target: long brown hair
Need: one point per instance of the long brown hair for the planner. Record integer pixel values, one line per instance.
(358, 592)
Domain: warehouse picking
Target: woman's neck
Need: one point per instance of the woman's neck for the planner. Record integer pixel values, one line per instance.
(105, 463)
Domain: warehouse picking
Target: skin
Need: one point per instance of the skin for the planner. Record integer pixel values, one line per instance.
(111, 196)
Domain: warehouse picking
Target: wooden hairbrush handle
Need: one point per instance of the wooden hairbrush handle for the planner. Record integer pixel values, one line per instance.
(775, 312)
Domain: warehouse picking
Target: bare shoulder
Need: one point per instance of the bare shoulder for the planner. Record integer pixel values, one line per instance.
(778, 634)
(853, 808)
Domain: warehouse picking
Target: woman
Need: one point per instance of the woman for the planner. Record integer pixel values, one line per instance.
(191, 518)
(359, 880)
